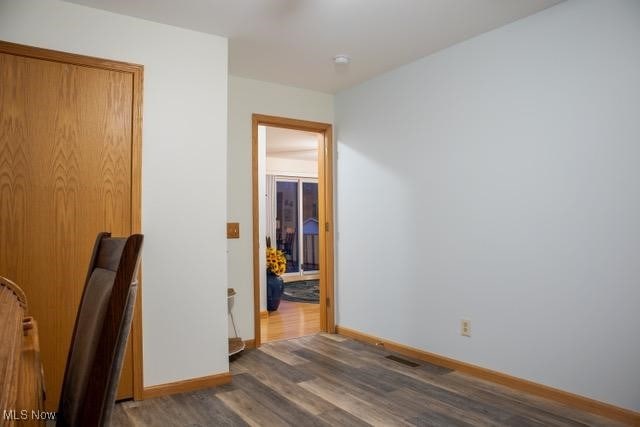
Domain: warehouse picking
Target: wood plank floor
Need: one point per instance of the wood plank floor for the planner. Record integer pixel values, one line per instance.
(328, 380)
(291, 320)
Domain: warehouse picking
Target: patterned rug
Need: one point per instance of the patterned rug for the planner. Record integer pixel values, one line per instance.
(302, 291)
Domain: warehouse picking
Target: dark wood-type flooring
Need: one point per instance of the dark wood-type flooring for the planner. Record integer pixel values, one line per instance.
(328, 380)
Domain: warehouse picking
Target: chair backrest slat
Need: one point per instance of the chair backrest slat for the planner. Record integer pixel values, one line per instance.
(103, 323)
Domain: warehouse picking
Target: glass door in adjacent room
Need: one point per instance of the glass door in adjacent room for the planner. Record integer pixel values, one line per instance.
(287, 221)
(297, 224)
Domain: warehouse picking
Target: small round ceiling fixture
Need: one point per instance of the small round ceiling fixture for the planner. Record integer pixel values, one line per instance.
(342, 59)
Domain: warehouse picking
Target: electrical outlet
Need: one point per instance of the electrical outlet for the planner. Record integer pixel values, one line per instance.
(465, 328)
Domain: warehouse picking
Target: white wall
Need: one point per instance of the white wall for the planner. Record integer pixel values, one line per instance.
(498, 181)
(292, 167)
(184, 172)
(246, 97)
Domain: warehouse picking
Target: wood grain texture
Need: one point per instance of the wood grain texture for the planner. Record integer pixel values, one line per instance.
(580, 402)
(333, 381)
(69, 168)
(137, 73)
(21, 386)
(30, 395)
(291, 320)
(325, 215)
(17, 291)
(11, 314)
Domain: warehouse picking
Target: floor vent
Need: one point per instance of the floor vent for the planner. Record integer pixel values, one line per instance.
(403, 361)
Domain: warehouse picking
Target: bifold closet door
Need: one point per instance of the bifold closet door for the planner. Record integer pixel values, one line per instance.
(65, 175)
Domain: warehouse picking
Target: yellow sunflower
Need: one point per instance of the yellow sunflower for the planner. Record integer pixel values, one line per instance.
(276, 261)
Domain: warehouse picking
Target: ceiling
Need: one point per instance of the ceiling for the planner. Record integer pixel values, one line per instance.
(292, 144)
(293, 42)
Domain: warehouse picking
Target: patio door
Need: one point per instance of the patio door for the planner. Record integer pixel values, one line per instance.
(296, 228)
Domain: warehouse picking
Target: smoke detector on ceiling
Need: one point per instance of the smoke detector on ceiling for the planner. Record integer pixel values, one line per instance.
(342, 59)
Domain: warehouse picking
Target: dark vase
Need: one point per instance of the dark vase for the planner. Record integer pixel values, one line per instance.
(275, 288)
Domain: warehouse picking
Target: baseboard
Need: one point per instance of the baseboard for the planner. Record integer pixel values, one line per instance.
(187, 385)
(584, 403)
(264, 314)
(249, 344)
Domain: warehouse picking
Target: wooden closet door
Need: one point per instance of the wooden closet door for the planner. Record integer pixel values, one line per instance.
(65, 175)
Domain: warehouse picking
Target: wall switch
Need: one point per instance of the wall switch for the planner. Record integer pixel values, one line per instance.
(465, 328)
(233, 230)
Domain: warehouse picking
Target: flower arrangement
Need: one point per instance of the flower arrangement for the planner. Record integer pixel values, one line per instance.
(276, 261)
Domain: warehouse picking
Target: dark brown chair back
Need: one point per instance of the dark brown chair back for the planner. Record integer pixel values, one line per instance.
(100, 334)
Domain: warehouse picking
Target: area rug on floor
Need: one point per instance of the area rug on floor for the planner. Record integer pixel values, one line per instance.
(302, 291)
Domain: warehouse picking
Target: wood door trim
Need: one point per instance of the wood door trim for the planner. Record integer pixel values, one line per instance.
(67, 58)
(137, 72)
(136, 223)
(325, 210)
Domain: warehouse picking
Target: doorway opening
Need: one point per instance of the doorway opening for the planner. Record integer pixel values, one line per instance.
(293, 214)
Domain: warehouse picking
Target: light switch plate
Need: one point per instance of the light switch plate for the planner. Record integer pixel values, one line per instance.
(233, 230)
